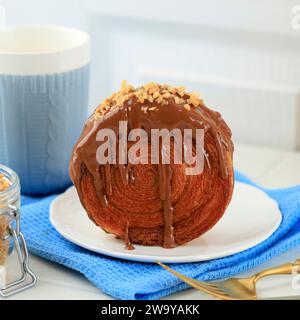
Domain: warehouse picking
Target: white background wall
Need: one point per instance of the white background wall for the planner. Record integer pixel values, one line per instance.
(243, 56)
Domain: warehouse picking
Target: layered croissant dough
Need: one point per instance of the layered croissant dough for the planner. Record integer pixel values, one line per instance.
(134, 209)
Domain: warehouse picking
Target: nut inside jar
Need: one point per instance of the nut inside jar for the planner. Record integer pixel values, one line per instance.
(4, 185)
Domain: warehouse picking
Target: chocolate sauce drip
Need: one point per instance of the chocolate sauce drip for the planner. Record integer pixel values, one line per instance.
(128, 244)
(170, 117)
(124, 173)
(108, 185)
(164, 178)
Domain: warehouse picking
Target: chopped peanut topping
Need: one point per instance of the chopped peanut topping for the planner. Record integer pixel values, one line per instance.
(151, 92)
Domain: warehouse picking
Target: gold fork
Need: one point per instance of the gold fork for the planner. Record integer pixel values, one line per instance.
(235, 288)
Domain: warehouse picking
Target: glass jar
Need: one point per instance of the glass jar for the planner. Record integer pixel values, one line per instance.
(12, 241)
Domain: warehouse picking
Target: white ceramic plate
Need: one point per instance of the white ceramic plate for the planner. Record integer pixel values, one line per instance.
(250, 218)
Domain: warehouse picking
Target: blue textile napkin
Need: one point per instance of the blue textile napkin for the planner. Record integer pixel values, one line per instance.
(133, 280)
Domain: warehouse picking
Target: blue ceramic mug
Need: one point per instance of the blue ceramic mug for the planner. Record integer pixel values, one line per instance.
(44, 81)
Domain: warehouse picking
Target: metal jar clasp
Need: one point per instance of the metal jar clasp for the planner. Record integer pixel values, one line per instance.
(27, 278)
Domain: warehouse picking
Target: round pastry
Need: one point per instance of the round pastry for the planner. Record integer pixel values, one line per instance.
(154, 203)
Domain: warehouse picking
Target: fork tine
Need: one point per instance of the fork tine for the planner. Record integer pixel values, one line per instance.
(213, 288)
(219, 290)
(205, 287)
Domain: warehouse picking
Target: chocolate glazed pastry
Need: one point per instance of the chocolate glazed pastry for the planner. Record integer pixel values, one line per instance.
(154, 204)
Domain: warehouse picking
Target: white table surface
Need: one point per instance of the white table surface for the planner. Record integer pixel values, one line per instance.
(269, 167)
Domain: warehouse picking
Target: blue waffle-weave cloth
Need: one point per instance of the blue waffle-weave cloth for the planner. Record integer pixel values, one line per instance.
(133, 280)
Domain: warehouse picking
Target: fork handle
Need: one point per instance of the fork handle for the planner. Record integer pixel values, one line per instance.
(287, 268)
